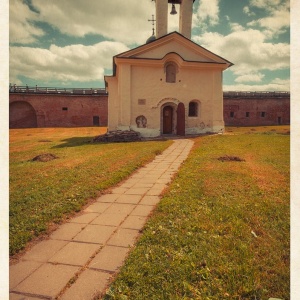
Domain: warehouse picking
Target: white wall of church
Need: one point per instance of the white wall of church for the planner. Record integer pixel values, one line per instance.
(142, 91)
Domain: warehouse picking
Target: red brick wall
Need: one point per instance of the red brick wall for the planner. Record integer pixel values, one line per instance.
(256, 111)
(56, 110)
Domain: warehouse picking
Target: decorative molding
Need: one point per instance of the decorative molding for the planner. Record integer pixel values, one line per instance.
(166, 100)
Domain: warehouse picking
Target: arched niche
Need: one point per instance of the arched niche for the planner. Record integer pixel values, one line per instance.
(22, 115)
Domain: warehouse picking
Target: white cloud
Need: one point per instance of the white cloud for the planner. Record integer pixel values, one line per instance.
(208, 12)
(267, 4)
(70, 63)
(123, 21)
(236, 27)
(21, 30)
(275, 85)
(248, 50)
(248, 12)
(277, 20)
(254, 77)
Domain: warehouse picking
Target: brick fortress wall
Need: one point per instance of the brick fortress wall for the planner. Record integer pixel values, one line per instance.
(256, 108)
(60, 109)
(88, 107)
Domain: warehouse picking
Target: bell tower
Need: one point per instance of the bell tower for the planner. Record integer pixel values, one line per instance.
(185, 16)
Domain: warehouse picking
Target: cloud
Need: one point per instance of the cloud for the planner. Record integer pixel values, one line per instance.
(118, 20)
(254, 77)
(248, 12)
(267, 4)
(21, 29)
(236, 27)
(208, 12)
(275, 85)
(278, 22)
(248, 50)
(70, 63)
(278, 19)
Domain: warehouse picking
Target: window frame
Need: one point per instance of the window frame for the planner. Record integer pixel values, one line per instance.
(195, 109)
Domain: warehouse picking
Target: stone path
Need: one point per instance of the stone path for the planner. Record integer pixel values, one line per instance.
(78, 259)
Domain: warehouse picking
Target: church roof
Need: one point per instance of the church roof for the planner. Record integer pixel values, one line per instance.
(173, 42)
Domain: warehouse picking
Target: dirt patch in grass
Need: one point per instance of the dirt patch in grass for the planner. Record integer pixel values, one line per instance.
(44, 157)
(230, 158)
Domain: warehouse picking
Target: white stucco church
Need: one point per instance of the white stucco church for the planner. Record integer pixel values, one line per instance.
(168, 86)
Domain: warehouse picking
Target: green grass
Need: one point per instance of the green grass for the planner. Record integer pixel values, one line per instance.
(221, 231)
(43, 193)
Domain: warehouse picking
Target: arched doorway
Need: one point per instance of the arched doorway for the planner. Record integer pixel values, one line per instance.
(168, 119)
(22, 115)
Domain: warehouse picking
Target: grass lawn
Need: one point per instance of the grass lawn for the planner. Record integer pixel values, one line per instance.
(221, 230)
(44, 193)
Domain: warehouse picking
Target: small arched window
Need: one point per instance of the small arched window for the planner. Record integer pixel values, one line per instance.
(193, 109)
(171, 73)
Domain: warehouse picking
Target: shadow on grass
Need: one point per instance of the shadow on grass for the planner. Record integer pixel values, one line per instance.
(74, 142)
(80, 141)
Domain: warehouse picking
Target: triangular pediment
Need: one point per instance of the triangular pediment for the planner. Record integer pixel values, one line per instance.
(174, 43)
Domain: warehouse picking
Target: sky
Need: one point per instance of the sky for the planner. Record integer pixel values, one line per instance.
(70, 43)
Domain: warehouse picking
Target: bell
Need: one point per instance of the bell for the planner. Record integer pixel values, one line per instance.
(173, 11)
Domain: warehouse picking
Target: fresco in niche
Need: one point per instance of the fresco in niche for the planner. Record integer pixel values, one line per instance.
(141, 122)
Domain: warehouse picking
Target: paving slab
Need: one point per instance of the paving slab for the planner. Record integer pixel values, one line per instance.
(44, 250)
(137, 191)
(67, 231)
(165, 181)
(123, 237)
(129, 183)
(20, 271)
(47, 281)
(97, 207)
(76, 254)
(134, 222)
(13, 296)
(117, 208)
(85, 218)
(140, 184)
(110, 258)
(98, 234)
(150, 200)
(110, 219)
(131, 198)
(142, 210)
(154, 192)
(87, 286)
(108, 198)
(119, 190)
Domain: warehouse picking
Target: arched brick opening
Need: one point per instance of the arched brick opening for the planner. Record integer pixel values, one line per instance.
(22, 115)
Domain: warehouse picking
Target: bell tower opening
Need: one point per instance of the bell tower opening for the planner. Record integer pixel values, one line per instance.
(185, 16)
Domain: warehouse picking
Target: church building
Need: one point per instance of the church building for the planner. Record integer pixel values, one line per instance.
(168, 86)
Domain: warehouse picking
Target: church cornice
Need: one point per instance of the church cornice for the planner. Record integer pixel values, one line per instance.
(166, 39)
(172, 56)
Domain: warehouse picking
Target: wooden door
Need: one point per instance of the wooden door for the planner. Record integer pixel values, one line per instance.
(180, 119)
(167, 119)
